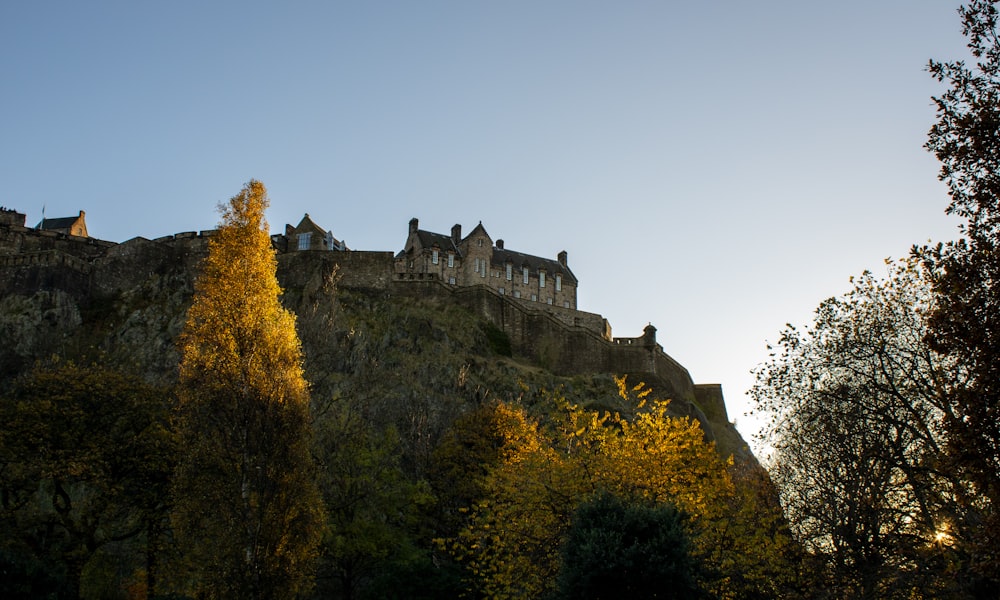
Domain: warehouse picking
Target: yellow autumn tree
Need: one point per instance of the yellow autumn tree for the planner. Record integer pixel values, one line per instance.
(248, 512)
(512, 543)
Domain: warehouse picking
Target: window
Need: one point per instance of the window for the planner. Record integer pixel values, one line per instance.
(524, 273)
(451, 260)
(534, 297)
(565, 303)
(304, 241)
(480, 240)
(477, 266)
(549, 300)
(558, 282)
(451, 280)
(541, 279)
(510, 272)
(502, 291)
(434, 256)
(517, 293)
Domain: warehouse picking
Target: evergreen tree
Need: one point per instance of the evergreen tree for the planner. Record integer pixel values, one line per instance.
(618, 549)
(249, 514)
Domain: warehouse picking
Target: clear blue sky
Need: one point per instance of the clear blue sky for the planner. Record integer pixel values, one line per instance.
(716, 168)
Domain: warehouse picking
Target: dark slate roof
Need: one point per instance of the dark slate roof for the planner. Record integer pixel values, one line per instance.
(60, 223)
(429, 239)
(502, 256)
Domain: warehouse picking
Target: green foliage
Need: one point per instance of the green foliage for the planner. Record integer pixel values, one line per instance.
(373, 509)
(85, 458)
(619, 549)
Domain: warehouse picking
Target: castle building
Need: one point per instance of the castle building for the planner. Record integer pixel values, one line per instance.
(477, 260)
(307, 236)
(69, 225)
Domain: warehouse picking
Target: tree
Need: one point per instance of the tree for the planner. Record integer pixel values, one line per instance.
(373, 510)
(617, 549)
(966, 322)
(249, 512)
(547, 469)
(85, 459)
(858, 403)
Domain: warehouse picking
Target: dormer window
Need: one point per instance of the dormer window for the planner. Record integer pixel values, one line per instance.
(304, 239)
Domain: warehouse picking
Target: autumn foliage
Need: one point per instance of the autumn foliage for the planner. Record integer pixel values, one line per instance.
(249, 515)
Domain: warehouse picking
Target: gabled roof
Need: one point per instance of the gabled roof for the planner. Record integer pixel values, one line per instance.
(479, 228)
(307, 224)
(502, 256)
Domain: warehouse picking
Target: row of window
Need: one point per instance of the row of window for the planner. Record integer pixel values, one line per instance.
(534, 297)
(436, 257)
(480, 266)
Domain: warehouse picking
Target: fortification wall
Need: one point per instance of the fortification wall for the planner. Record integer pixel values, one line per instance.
(354, 269)
(22, 240)
(566, 349)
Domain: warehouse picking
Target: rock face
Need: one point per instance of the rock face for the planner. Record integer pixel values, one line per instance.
(412, 352)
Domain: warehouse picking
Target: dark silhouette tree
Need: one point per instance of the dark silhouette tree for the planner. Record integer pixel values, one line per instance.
(966, 323)
(858, 401)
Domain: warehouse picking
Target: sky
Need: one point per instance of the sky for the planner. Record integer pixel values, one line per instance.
(716, 169)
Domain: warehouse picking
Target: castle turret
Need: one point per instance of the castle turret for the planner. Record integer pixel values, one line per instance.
(649, 336)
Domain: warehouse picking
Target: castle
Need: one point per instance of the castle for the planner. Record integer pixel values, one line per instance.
(533, 300)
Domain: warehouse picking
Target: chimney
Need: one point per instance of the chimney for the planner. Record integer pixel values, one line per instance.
(562, 258)
(413, 225)
(500, 244)
(456, 233)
